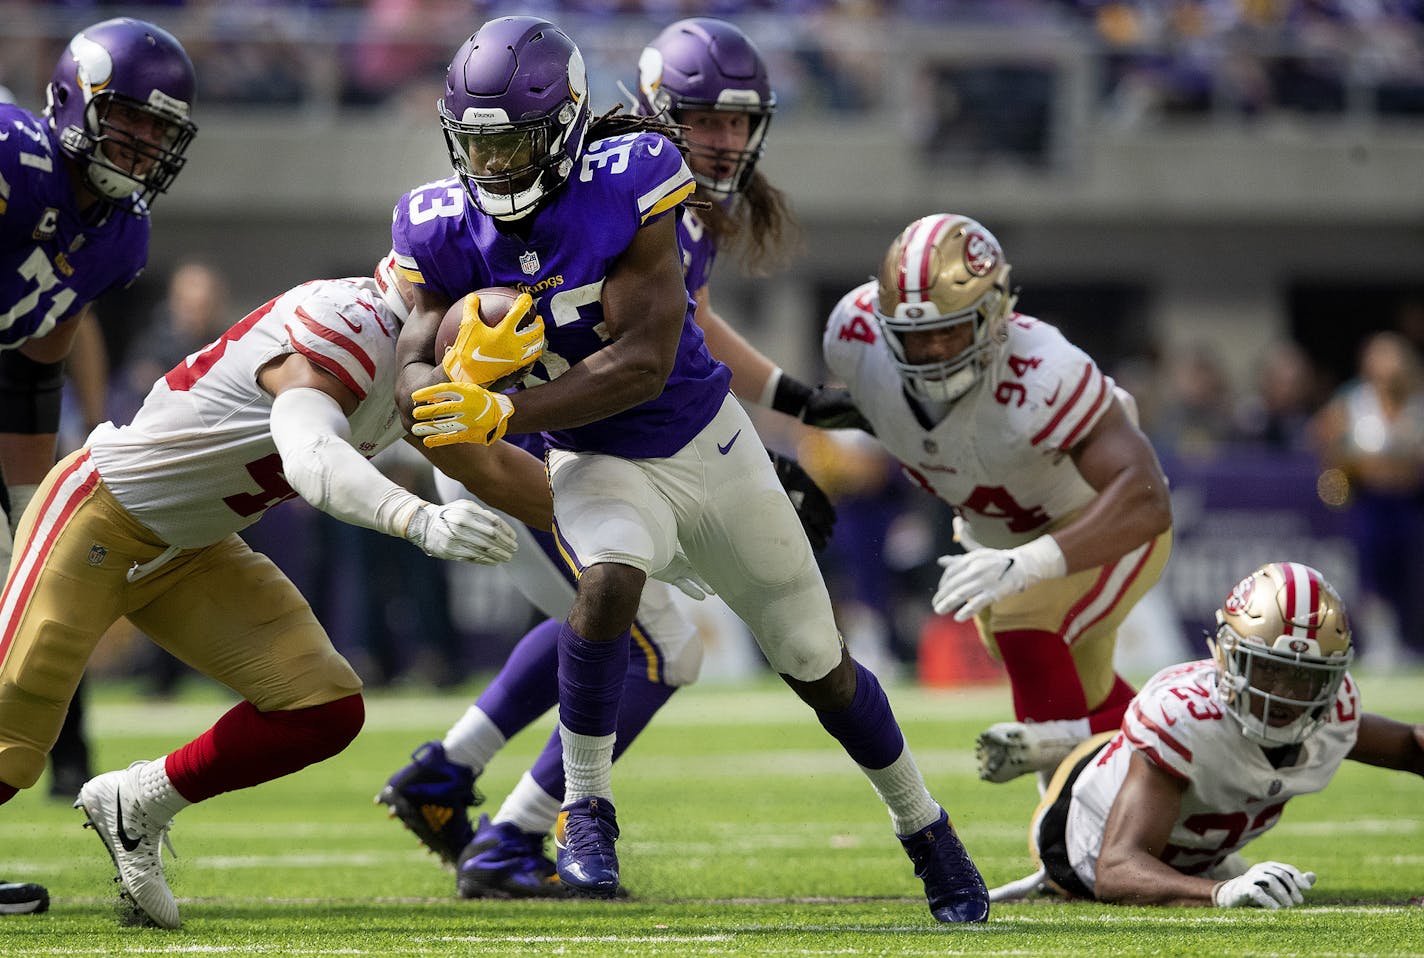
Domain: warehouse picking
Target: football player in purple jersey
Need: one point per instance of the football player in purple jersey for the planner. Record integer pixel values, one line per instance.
(75, 187)
(706, 75)
(649, 452)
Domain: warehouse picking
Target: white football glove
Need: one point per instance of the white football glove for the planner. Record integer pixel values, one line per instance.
(461, 530)
(1265, 885)
(679, 572)
(976, 580)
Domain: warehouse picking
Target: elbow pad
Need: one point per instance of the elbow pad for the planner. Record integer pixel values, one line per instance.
(29, 394)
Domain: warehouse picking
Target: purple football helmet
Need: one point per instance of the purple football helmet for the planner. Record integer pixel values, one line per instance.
(702, 63)
(119, 102)
(514, 113)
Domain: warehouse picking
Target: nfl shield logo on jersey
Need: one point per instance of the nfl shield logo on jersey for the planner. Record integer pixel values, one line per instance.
(529, 262)
(97, 554)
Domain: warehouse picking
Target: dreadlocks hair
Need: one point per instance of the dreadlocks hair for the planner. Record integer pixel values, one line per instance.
(760, 223)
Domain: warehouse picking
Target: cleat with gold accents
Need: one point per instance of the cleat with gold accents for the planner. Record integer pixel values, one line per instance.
(584, 837)
(431, 796)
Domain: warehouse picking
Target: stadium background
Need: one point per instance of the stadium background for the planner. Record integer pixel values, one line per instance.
(1185, 187)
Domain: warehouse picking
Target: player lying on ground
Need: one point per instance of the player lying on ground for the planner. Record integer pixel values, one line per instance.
(1208, 755)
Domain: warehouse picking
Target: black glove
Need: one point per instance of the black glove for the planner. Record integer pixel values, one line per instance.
(817, 515)
(827, 407)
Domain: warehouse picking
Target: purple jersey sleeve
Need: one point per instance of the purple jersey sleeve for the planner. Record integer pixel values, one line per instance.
(53, 264)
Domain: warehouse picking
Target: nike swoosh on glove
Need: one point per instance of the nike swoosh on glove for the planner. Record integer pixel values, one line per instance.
(483, 354)
(976, 580)
(1265, 885)
(460, 412)
(462, 530)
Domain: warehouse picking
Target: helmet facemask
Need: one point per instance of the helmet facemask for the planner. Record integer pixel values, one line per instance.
(1282, 647)
(944, 272)
(947, 379)
(131, 147)
(510, 168)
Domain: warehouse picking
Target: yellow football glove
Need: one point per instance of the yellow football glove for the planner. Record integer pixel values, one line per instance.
(483, 354)
(460, 412)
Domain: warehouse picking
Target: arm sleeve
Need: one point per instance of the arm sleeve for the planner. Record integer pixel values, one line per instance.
(319, 463)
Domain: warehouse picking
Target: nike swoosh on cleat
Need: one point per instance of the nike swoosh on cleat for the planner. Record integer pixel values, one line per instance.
(129, 843)
(728, 447)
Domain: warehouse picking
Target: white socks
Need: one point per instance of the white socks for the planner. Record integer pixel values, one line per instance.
(902, 788)
(588, 765)
(529, 808)
(473, 740)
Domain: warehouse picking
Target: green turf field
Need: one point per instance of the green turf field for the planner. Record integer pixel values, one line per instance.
(745, 831)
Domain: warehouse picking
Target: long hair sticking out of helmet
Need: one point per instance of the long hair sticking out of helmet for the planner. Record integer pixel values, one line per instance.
(761, 227)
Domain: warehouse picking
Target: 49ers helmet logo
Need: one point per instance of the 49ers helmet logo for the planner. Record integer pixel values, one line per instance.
(1240, 596)
(981, 254)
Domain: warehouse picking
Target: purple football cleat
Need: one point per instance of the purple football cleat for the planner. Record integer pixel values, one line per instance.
(584, 835)
(504, 862)
(430, 797)
(953, 885)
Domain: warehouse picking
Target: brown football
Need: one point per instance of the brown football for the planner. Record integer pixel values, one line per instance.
(494, 303)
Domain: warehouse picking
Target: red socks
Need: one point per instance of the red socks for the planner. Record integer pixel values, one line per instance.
(247, 747)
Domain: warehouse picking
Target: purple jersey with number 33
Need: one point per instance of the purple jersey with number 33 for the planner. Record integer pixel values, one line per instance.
(52, 263)
(622, 184)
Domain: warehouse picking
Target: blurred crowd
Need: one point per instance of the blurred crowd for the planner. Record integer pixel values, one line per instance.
(1153, 58)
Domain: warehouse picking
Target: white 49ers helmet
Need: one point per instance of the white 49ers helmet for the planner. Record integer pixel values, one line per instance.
(944, 270)
(1282, 647)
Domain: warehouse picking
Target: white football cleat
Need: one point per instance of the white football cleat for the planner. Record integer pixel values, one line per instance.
(1010, 749)
(114, 805)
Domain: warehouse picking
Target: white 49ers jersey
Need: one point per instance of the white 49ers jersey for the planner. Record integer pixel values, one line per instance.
(1233, 794)
(1000, 453)
(198, 461)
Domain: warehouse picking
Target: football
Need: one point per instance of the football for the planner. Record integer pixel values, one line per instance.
(494, 303)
